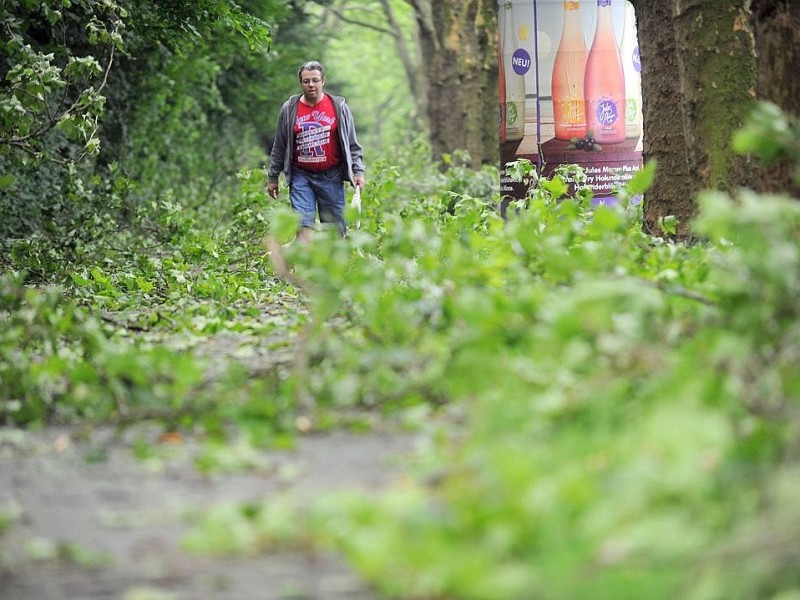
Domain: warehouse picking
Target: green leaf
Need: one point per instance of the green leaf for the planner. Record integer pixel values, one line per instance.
(556, 186)
(668, 224)
(284, 223)
(6, 181)
(642, 180)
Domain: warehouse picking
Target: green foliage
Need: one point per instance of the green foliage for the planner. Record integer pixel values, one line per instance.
(149, 331)
(47, 85)
(770, 134)
(616, 437)
(45, 550)
(619, 411)
(56, 58)
(112, 109)
(59, 363)
(387, 113)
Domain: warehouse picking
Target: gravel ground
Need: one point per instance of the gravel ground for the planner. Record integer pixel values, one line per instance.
(89, 521)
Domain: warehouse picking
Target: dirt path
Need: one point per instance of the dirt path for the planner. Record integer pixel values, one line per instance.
(128, 515)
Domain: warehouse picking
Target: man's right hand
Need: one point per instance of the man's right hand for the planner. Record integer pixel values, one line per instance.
(272, 189)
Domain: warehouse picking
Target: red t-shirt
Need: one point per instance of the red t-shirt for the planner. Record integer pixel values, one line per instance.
(315, 146)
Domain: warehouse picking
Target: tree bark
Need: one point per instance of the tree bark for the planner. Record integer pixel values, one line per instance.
(698, 86)
(458, 41)
(776, 27)
(663, 139)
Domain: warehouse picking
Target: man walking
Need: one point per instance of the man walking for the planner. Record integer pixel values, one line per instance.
(317, 151)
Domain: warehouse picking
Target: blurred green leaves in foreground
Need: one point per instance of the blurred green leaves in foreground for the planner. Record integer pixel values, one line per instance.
(610, 413)
(619, 413)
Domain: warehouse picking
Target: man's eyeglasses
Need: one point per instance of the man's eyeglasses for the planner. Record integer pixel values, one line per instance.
(310, 81)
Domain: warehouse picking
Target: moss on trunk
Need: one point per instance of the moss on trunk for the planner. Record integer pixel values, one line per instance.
(716, 55)
(698, 84)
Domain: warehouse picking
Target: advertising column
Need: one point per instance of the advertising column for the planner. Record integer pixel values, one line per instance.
(576, 64)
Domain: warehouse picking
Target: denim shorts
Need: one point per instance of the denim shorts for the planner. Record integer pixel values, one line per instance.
(322, 194)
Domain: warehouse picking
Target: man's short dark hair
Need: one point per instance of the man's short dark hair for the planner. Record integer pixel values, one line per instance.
(311, 65)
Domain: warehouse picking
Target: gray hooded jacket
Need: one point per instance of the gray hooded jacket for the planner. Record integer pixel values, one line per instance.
(280, 159)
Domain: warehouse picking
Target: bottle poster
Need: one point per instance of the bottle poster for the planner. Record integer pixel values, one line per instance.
(570, 90)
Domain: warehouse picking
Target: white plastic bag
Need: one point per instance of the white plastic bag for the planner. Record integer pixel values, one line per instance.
(356, 203)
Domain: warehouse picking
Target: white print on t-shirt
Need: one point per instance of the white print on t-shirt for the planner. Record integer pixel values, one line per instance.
(314, 137)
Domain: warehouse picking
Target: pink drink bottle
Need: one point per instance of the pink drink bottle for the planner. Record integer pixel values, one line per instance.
(569, 108)
(604, 82)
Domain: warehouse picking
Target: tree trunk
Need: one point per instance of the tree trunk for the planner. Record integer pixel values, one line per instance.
(663, 140)
(698, 86)
(776, 26)
(458, 40)
(410, 62)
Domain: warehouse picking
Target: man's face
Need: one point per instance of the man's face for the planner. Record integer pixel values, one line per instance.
(312, 82)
